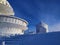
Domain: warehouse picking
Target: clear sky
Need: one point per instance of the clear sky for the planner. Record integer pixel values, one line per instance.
(35, 11)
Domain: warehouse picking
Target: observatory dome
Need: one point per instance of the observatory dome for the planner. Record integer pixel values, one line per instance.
(10, 25)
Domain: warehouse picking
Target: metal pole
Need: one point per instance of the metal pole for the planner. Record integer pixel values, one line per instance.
(3, 43)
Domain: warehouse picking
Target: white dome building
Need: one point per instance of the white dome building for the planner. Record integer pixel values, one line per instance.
(10, 25)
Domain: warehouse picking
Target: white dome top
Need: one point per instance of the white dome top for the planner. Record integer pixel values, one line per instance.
(5, 8)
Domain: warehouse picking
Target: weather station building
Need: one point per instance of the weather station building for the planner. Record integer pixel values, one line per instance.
(9, 24)
(41, 28)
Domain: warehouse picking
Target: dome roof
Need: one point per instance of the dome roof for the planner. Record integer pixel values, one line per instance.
(6, 10)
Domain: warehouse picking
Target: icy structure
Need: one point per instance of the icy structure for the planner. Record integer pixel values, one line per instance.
(10, 25)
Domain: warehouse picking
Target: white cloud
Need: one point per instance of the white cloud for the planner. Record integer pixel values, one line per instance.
(54, 28)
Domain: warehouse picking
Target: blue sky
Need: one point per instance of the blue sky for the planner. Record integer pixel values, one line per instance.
(35, 11)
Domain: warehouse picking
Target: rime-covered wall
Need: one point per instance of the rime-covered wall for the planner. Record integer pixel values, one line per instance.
(36, 39)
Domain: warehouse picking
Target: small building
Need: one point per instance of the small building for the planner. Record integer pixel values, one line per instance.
(41, 28)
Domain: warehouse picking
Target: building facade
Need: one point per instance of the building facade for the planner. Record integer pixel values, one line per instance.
(10, 25)
(41, 28)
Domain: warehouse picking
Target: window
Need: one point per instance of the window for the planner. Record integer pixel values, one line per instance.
(18, 21)
(5, 19)
(10, 20)
(13, 20)
(0, 19)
